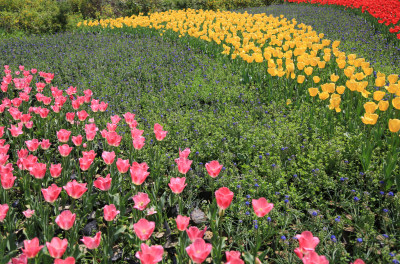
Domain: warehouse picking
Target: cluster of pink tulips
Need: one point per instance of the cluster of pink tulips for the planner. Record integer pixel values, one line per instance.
(42, 167)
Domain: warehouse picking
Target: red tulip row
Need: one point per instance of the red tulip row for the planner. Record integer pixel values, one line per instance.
(386, 11)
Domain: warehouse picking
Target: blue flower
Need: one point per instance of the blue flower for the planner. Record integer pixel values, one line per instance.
(283, 237)
(356, 199)
(359, 240)
(333, 238)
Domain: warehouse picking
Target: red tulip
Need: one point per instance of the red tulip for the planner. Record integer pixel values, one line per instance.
(92, 242)
(183, 165)
(38, 170)
(75, 189)
(108, 157)
(103, 184)
(150, 255)
(313, 258)
(64, 150)
(28, 213)
(70, 117)
(177, 184)
(3, 159)
(182, 222)
(261, 206)
(139, 172)
(194, 233)
(3, 211)
(77, 140)
(51, 193)
(69, 260)
(110, 212)
(31, 247)
(63, 135)
(7, 180)
(141, 201)
(224, 197)
(65, 220)
(143, 229)
(123, 165)
(213, 168)
(57, 247)
(199, 250)
(55, 170)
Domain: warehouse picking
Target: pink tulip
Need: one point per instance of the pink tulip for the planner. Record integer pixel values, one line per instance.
(65, 150)
(177, 184)
(28, 213)
(224, 197)
(135, 133)
(16, 130)
(232, 255)
(22, 259)
(7, 180)
(123, 165)
(182, 222)
(110, 212)
(69, 260)
(92, 242)
(84, 163)
(141, 201)
(75, 189)
(113, 139)
(115, 119)
(143, 229)
(45, 144)
(183, 165)
(358, 261)
(38, 170)
(138, 142)
(77, 140)
(3, 211)
(307, 243)
(82, 115)
(139, 172)
(150, 255)
(51, 193)
(194, 233)
(57, 247)
(55, 170)
(31, 247)
(65, 220)
(261, 206)
(213, 168)
(33, 144)
(199, 250)
(70, 117)
(158, 131)
(108, 157)
(63, 135)
(313, 258)
(184, 154)
(129, 118)
(103, 184)
(103, 106)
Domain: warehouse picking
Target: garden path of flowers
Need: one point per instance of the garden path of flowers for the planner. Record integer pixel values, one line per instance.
(196, 136)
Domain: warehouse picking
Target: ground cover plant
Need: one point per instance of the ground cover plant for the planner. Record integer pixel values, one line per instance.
(274, 143)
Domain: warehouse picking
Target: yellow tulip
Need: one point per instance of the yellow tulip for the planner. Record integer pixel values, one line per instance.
(323, 95)
(378, 95)
(369, 119)
(370, 107)
(383, 105)
(308, 70)
(340, 89)
(392, 88)
(396, 102)
(334, 77)
(316, 79)
(288, 102)
(313, 91)
(321, 64)
(335, 100)
(300, 78)
(394, 125)
(392, 78)
(328, 87)
(380, 81)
